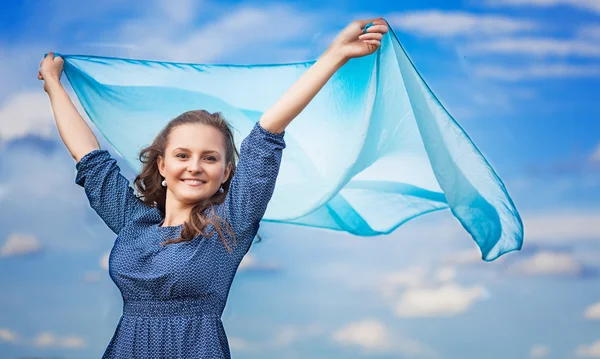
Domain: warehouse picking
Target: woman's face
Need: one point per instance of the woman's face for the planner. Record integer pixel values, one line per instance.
(194, 163)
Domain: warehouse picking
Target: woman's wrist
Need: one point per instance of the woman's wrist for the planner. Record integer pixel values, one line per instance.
(52, 83)
(335, 55)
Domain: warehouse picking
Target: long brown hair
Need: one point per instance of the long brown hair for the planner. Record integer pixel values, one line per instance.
(148, 182)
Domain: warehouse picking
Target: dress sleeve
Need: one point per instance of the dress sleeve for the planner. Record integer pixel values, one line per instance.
(107, 190)
(253, 183)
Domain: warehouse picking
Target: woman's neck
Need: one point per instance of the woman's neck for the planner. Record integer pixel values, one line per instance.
(176, 213)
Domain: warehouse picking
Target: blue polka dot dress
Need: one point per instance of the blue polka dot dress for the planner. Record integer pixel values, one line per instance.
(174, 295)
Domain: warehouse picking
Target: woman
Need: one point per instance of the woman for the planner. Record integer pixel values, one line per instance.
(179, 244)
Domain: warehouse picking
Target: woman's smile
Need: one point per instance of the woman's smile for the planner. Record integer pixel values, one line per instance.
(193, 182)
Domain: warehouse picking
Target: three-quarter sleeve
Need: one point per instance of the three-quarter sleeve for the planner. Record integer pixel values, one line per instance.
(253, 183)
(107, 190)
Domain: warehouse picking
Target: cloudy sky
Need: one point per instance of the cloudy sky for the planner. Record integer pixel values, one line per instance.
(520, 76)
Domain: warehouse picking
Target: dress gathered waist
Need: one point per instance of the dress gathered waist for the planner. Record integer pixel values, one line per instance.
(203, 306)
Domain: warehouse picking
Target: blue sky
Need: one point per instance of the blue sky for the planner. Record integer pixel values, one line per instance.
(520, 76)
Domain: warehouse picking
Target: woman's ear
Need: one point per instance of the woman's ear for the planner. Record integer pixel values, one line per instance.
(227, 172)
(160, 163)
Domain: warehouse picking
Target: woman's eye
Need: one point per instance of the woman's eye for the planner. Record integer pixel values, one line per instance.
(181, 155)
(211, 158)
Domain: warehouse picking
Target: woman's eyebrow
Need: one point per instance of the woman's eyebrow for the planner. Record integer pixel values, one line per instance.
(203, 152)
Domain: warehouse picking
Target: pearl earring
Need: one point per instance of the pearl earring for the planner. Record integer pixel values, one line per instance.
(164, 183)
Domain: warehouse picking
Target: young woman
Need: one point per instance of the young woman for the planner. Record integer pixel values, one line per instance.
(180, 242)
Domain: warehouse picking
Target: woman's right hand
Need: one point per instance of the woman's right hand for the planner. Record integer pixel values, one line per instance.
(50, 69)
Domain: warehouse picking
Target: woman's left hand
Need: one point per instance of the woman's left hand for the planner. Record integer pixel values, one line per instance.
(353, 42)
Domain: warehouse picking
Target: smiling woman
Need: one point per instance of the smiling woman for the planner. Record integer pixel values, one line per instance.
(188, 169)
(179, 245)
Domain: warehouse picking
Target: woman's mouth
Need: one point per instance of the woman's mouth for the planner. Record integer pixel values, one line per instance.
(193, 182)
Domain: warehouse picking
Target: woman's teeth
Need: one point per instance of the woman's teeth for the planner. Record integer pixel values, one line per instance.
(193, 181)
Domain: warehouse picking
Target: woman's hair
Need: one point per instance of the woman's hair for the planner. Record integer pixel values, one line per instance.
(149, 181)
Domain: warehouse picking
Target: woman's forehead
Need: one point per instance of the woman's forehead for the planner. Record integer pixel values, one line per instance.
(196, 137)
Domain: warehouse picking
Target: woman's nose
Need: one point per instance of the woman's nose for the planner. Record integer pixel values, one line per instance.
(194, 166)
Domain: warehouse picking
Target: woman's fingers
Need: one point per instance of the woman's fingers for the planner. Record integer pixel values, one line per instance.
(50, 66)
(363, 23)
(375, 43)
(382, 29)
(380, 22)
(371, 36)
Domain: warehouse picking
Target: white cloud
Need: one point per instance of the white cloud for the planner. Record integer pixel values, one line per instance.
(163, 30)
(239, 344)
(249, 263)
(20, 244)
(445, 274)
(3, 191)
(589, 31)
(45, 339)
(19, 64)
(561, 227)
(445, 301)
(49, 339)
(115, 45)
(7, 335)
(592, 350)
(372, 337)
(539, 351)
(548, 228)
(591, 5)
(454, 23)
(369, 334)
(536, 72)
(419, 292)
(285, 336)
(72, 342)
(547, 191)
(182, 11)
(288, 334)
(593, 311)
(24, 165)
(92, 277)
(104, 261)
(464, 257)
(536, 47)
(26, 113)
(237, 32)
(596, 155)
(398, 280)
(61, 14)
(549, 263)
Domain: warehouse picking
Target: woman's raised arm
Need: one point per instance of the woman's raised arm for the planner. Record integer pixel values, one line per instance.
(351, 42)
(73, 130)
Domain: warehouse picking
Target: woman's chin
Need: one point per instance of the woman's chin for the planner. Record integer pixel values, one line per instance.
(194, 198)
